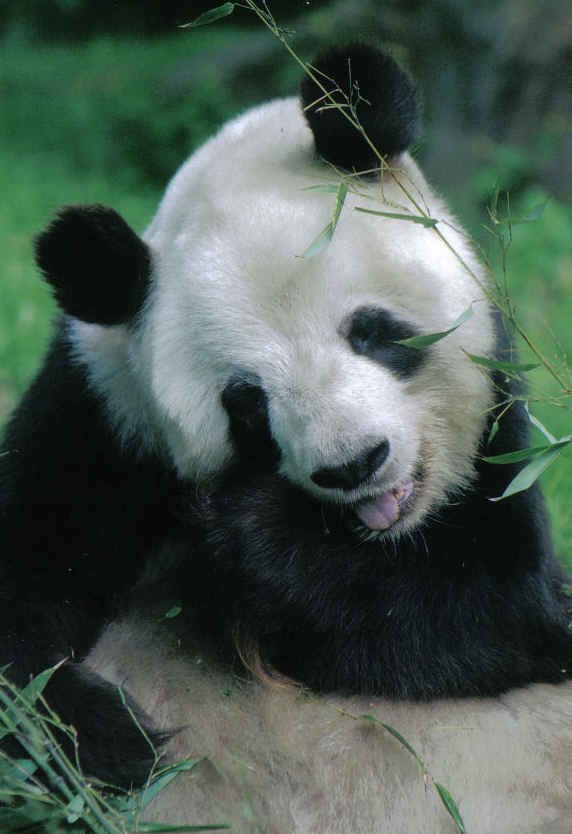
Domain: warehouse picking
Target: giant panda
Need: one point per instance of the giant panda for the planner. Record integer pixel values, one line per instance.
(237, 494)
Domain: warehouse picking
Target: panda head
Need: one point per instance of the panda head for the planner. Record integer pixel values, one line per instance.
(214, 337)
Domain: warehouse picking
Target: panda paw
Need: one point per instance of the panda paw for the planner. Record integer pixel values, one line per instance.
(117, 741)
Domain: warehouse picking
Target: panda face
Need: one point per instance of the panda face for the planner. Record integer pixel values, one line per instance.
(244, 342)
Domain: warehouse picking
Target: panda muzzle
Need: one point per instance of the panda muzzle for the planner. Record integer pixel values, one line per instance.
(382, 511)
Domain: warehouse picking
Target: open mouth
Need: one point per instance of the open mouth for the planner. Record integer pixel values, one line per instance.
(382, 511)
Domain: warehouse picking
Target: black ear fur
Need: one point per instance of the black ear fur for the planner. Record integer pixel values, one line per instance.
(98, 267)
(387, 106)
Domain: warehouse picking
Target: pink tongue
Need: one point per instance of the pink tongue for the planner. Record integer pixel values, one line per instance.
(379, 513)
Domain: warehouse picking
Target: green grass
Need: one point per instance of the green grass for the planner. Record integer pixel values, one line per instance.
(119, 107)
(95, 124)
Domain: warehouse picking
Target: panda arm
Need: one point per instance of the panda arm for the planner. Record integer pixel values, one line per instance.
(78, 514)
(73, 538)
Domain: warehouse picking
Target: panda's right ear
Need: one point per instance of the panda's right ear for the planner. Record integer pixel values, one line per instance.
(98, 268)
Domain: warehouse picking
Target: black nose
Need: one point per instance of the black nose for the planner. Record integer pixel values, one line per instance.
(352, 474)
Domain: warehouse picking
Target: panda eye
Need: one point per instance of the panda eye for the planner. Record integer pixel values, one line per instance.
(373, 332)
(244, 400)
(246, 404)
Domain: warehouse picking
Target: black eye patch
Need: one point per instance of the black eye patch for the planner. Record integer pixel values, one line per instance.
(246, 404)
(374, 332)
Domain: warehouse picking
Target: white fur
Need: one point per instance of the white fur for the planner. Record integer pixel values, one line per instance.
(232, 293)
(277, 761)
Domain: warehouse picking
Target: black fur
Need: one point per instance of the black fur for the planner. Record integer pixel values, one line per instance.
(98, 267)
(246, 405)
(77, 516)
(376, 333)
(470, 604)
(384, 98)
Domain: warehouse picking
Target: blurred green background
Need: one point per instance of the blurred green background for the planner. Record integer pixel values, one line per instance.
(100, 102)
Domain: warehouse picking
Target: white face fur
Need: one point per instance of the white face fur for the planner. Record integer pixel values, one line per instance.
(233, 295)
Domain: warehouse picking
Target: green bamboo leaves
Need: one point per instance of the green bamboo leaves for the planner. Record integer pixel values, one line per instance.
(210, 16)
(428, 339)
(44, 790)
(325, 236)
(442, 792)
(539, 457)
(451, 807)
(506, 367)
(341, 190)
(421, 219)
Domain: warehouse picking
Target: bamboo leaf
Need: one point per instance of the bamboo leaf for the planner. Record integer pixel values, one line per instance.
(22, 769)
(420, 219)
(75, 809)
(326, 188)
(173, 612)
(519, 455)
(538, 425)
(493, 432)
(210, 16)
(530, 452)
(444, 795)
(499, 365)
(404, 743)
(451, 806)
(529, 474)
(34, 689)
(325, 236)
(19, 700)
(342, 194)
(319, 243)
(427, 339)
(396, 734)
(162, 779)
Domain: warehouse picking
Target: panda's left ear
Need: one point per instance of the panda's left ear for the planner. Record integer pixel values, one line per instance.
(98, 268)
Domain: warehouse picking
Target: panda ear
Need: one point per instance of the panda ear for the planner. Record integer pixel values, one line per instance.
(98, 267)
(385, 99)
